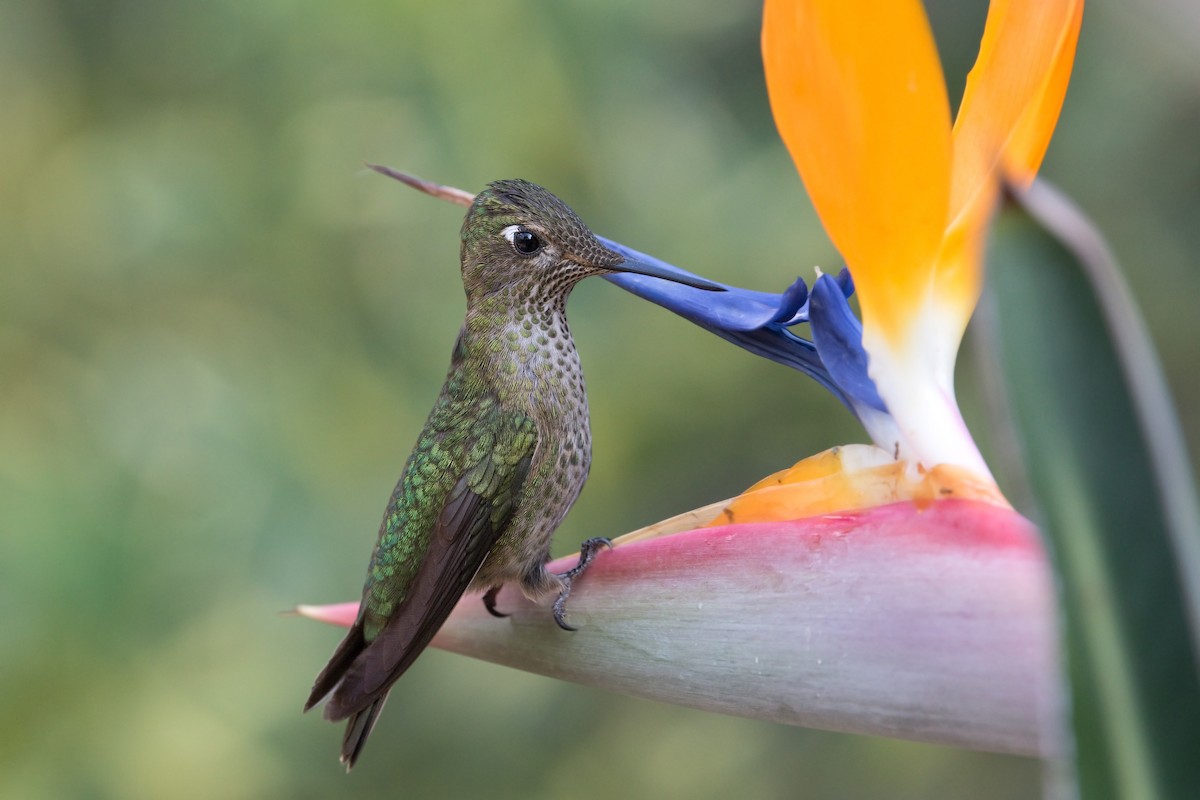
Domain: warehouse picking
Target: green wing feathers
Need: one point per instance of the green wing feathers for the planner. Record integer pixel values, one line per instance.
(467, 446)
(453, 501)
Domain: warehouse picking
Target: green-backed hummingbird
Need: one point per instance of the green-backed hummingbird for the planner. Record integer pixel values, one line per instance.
(502, 457)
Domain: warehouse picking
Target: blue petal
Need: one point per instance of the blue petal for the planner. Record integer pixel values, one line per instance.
(794, 305)
(734, 309)
(837, 333)
(759, 322)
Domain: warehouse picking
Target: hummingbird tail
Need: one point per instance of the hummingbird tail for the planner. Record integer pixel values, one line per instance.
(349, 649)
(358, 729)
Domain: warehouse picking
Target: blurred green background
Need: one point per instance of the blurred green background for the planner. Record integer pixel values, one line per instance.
(219, 336)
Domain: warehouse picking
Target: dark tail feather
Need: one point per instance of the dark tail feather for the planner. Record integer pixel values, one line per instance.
(358, 729)
(339, 662)
(361, 722)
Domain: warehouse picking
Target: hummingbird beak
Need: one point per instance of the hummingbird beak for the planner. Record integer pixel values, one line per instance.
(665, 272)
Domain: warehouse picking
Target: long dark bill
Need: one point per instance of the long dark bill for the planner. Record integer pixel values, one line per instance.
(663, 272)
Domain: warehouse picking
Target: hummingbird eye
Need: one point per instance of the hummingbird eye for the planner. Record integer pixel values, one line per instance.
(524, 242)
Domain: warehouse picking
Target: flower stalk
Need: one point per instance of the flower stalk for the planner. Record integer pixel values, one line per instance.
(936, 627)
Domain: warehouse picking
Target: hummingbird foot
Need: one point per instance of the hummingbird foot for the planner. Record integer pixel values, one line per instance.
(587, 552)
(489, 602)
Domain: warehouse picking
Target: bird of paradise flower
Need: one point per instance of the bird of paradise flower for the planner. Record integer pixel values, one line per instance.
(868, 588)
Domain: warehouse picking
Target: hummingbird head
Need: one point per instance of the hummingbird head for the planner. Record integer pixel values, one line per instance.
(517, 235)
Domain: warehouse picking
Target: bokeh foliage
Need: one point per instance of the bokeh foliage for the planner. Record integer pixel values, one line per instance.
(219, 336)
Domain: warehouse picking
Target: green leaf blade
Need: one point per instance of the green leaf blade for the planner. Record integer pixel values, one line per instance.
(1114, 493)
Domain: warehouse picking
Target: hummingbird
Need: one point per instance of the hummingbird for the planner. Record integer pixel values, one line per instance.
(502, 457)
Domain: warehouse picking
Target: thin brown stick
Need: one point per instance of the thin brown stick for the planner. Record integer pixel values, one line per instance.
(448, 193)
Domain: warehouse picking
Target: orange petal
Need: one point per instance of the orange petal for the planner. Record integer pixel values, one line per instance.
(1009, 109)
(859, 99)
(960, 264)
(1014, 93)
(851, 478)
(1029, 141)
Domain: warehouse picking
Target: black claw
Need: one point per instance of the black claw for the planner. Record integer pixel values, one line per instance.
(489, 602)
(587, 552)
(560, 607)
